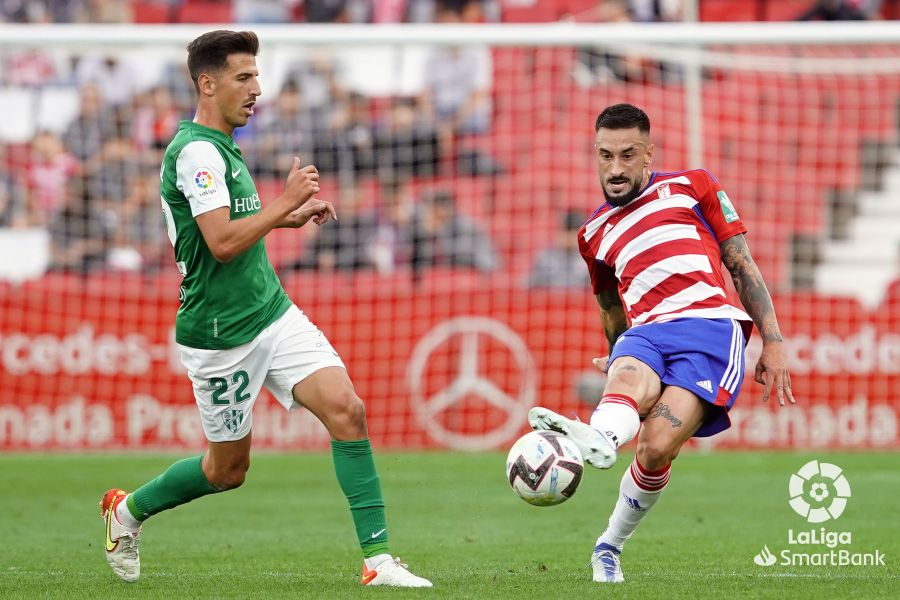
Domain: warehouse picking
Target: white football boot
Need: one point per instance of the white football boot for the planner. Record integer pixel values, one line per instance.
(392, 572)
(605, 562)
(596, 448)
(121, 543)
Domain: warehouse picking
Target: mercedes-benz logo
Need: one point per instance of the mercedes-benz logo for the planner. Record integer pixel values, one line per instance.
(469, 381)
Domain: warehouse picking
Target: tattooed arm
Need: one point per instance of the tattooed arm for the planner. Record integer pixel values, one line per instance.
(771, 370)
(612, 316)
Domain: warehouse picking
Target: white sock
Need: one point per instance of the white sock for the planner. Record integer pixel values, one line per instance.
(639, 491)
(374, 561)
(126, 519)
(617, 417)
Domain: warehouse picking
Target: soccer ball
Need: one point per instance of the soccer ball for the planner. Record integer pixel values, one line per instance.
(544, 468)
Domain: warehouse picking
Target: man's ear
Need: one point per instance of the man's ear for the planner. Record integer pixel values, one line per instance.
(207, 84)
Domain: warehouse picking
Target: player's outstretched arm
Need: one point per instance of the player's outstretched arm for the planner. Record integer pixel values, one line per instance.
(615, 323)
(771, 370)
(227, 238)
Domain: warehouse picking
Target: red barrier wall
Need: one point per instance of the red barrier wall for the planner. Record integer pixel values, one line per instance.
(451, 360)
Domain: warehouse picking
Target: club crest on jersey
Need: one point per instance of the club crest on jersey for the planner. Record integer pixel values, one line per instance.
(727, 207)
(204, 182)
(663, 191)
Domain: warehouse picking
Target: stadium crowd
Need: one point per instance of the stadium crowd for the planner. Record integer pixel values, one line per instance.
(92, 183)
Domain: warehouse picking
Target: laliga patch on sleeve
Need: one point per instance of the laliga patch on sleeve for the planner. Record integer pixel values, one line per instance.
(204, 182)
(727, 207)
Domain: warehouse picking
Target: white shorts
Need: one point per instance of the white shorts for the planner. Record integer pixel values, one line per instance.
(227, 382)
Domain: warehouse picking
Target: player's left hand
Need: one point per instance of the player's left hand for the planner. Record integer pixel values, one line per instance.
(602, 363)
(772, 372)
(319, 211)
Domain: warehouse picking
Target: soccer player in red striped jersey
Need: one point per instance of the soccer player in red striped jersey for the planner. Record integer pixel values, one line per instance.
(655, 251)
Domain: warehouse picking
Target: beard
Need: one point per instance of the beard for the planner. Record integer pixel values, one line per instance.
(626, 197)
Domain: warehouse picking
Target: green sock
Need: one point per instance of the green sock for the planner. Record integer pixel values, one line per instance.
(355, 469)
(179, 484)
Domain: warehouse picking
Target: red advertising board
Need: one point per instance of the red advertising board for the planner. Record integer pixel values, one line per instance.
(443, 361)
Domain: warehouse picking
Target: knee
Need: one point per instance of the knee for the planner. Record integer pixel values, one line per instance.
(348, 418)
(655, 455)
(230, 476)
(625, 376)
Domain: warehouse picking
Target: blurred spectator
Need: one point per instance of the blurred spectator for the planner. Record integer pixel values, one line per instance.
(140, 240)
(318, 78)
(40, 11)
(79, 238)
(155, 122)
(446, 237)
(177, 80)
(458, 80)
(561, 265)
(326, 11)
(393, 243)
(288, 127)
(420, 11)
(457, 93)
(107, 176)
(29, 68)
(406, 140)
(599, 65)
(345, 244)
(113, 77)
(20, 11)
(83, 230)
(652, 11)
(834, 10)
(400, 11)
(264, 11)
(12, 201)
(348, 147)
(106, 11)
(92, 127)
(50, 169)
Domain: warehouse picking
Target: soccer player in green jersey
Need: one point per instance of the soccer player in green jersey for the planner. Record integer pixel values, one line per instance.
(237, 330)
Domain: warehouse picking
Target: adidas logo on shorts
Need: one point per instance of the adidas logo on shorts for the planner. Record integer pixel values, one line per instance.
(706, 384)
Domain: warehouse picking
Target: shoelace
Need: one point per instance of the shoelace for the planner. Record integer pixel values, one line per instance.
(599, 555)
(401, 563)
(128, 544)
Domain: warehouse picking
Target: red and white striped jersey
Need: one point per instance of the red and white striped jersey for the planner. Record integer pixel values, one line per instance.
(662, 249)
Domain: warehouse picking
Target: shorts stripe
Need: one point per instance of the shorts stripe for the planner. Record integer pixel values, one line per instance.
(730, 368)
(729, 378)
(736, 376)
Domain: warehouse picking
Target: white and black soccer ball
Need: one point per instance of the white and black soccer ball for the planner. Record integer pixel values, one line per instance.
(544, 468)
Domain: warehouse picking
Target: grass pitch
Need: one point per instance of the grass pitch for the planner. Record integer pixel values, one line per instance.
(287, 533)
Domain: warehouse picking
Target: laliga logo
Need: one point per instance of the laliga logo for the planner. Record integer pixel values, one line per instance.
(819, 491)
(765, 558)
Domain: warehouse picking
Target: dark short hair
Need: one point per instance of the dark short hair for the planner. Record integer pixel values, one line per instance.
(210, 51)
(623, 116)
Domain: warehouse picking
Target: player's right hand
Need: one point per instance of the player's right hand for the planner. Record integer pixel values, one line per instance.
(302, 184)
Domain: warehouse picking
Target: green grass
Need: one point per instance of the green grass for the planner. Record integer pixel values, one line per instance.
(287, 533)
